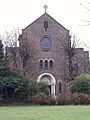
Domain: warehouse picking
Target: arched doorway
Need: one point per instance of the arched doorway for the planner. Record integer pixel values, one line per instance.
(47, 77)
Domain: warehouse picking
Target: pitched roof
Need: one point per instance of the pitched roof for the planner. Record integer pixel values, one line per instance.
(42, 16)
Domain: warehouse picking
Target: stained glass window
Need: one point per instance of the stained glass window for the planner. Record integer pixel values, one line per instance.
(41, 63)
(51, 63)
(46, 64)
(46, 43)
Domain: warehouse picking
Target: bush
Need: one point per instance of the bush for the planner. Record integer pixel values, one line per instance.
(43, 88)
(33, 90)
(80, 84)
(79, 99)
(41, 99)
(13, 88)
(62, 100)
(38, 92)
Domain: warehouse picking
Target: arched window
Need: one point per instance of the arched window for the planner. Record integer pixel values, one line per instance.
(45, 25)
(60, 86)
(51, 63)
(46, 64)
(41, 63)
(76, 68)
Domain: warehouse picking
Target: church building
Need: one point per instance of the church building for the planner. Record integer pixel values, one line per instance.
(41, 55)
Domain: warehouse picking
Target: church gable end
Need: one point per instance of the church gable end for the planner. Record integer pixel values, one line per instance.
(46, 16)
(42, 45)
(46, 26)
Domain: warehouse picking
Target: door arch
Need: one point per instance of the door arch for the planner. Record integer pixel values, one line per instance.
(47, 77)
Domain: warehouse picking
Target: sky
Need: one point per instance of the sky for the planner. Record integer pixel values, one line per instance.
(69, 13)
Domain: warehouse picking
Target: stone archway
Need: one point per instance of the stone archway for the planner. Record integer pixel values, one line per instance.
(47, 77)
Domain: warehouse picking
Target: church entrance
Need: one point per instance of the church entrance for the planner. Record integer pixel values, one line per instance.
(50, 80)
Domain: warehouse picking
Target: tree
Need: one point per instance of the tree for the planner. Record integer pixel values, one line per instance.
(80, 84)
(69, 47)
(11, 38)
(86, 6)
(10, 41)
(43, 88)
(18, 51)
(1, 59)
(10, 83)
(26, 51)
(1, 51)
(14, 88)
(37, 89)
(3, 64)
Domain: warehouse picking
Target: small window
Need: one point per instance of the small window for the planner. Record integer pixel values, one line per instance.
(76, 68)
(41, 63)
(51, 63)
(46, 64)
(45, 25)
(60, 87)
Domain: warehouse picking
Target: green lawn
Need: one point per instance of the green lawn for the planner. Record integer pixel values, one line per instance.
(45, 113)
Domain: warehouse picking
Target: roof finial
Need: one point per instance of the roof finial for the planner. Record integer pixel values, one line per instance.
(45, 7)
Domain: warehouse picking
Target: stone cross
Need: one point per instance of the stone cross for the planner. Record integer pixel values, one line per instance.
(45, 7)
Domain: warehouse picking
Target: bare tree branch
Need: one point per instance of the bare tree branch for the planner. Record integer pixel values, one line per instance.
(10, 39)
(88, 10)
(70, 51)
(85, 6)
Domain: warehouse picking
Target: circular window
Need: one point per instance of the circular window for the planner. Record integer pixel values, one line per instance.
(46, 43)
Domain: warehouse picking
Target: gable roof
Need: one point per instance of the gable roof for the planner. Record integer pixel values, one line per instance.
(42, 16)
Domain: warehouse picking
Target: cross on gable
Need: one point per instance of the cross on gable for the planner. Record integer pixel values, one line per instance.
(45, 7)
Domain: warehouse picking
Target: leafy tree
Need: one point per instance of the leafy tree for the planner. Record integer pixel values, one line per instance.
(14, 88)
(80, 84)
(33, 89)
(43, 88)
(36, 89)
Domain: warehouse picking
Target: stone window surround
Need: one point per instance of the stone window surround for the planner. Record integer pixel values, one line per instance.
(60, 86)
(48, 62)
(53, 82)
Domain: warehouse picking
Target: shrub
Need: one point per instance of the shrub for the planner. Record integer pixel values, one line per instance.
(13, 88)
(80, 84)
(33, 90)
(41, 99)
(80, 99)
(43, 88)
(37, 91)
(62, 100)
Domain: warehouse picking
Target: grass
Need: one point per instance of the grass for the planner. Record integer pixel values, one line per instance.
(45, 113)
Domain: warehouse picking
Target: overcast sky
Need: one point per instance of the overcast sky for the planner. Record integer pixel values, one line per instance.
(69, 13)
